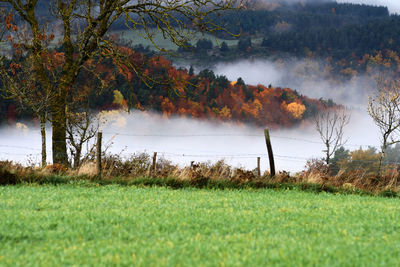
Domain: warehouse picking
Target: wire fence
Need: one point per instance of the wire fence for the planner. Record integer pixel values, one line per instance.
(231, 135)
(9, 151)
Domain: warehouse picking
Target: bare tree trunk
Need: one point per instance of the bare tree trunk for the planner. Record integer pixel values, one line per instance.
(43, 134)
(328, 156)
(380, 164)
(59, 129)
(381, 156)
(77, 157)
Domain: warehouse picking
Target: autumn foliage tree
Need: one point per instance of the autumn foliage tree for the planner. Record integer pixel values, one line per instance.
(81, 27)
(212, 97)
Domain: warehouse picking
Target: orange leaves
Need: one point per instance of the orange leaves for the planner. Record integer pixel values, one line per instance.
(53, 60)
(296, 109)
(42, 37)
(9, 19)
(160, 62)
(225, 113)
(250, 110)
(9, 23)
(16, 45)
(124, 70)
(167, 107)
(14, 67)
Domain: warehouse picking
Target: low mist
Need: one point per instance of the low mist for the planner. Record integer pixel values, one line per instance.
(308, 77)
(183, 140)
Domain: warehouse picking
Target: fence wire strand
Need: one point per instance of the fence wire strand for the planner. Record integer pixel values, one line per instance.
(197, 153)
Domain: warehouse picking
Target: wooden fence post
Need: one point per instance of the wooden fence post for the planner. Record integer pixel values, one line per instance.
(98, 154)
(258, 167)
(154, 169)
(270, 154)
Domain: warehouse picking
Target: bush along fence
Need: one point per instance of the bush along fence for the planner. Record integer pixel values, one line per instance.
(153, 170)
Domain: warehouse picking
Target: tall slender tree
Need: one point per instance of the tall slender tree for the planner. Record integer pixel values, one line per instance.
(330, 126)
(384, 109)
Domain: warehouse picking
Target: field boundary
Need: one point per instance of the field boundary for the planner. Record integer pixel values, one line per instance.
(199, 183)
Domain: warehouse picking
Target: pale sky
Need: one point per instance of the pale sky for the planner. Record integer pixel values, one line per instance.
(393, 5)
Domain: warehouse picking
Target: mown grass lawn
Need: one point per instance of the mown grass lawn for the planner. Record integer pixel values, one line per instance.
(82, 224)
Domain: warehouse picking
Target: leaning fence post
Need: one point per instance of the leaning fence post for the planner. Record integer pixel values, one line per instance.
(154, 163)
(270, 154)
(98, 154)
(258, 167)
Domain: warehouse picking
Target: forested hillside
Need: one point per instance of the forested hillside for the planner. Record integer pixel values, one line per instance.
(171, 91)
(350, 39)
(331, 29)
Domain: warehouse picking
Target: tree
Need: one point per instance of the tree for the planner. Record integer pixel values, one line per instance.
(203, 45)
(330, 126)
(18, 82)
(384, 109)
(191, 71)
(224, 47)
(21, 85)
(361, 160)
(244, 44)
(81, 128)
(392, 155)
(341, 154)
(82, 33)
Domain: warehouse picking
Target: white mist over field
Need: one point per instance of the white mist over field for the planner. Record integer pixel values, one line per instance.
(183, 140)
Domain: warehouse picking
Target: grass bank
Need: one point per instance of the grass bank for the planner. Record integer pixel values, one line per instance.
(83, 223)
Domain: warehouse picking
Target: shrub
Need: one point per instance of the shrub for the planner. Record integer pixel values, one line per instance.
(136, 165)
(243, 176)
(361, 160)
(56, 169)
(6, 177)
(315, 171)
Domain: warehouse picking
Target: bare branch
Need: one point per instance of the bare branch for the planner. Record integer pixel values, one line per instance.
(384, 109)
(330, 126)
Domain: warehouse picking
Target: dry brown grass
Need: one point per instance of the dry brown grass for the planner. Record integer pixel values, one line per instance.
(360, 178)
(140, 165)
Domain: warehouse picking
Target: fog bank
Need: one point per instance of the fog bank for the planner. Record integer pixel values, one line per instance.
(306, 76)
(182, 140)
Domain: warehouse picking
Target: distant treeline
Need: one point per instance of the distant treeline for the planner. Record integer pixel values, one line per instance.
(299, 18)
(337, 30)
(157, 85)
(327, 28)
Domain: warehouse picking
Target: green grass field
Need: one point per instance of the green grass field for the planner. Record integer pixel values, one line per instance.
(83, 224)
